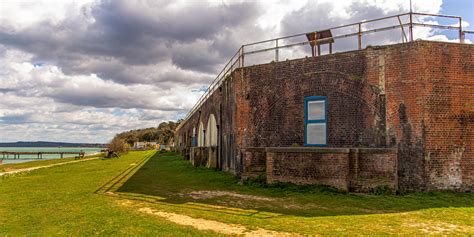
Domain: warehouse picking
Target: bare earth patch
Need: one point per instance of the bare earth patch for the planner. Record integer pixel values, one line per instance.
(44, 166)
(436, 227)
(212, 194)
(125, 203)
(216, 226)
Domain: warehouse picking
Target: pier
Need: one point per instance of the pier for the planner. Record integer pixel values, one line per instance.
(7, 155)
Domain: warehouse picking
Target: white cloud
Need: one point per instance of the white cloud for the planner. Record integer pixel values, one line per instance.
(23, 13)
(85, 70)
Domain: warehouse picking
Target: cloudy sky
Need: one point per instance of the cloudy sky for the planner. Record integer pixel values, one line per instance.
(81, 71)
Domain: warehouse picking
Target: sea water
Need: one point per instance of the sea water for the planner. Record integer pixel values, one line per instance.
(26, 158)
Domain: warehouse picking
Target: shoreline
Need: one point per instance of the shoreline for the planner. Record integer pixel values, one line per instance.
(94, 152)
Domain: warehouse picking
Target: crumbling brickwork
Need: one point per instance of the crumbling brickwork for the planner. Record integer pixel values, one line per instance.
(430, 105)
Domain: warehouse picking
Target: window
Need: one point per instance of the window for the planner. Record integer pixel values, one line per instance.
(315, 121)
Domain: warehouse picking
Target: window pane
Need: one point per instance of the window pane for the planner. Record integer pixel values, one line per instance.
(316, 133)
(316, 110)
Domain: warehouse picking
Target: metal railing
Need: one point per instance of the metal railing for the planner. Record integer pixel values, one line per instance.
(404, 22)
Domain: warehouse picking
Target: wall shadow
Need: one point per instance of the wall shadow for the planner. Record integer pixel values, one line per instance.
(168, 179)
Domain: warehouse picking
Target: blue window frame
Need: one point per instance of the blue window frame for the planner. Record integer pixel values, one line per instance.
(315, 121)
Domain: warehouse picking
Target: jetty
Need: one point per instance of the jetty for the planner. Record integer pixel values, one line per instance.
(37, 155)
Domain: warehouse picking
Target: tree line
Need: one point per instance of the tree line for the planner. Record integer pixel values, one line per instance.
(163, 134)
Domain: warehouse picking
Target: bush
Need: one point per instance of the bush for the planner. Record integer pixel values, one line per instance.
(117, 145)
(382, 190)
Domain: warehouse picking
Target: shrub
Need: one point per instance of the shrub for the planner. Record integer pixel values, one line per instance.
(382, 190)
(117, 145)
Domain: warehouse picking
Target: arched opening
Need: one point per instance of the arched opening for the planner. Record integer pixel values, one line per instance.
(201, 135)
(211, 131)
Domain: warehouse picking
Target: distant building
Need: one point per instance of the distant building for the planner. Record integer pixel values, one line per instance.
(139, 145)
(166, 147)
(145, 145)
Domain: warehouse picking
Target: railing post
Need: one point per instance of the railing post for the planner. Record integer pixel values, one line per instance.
(411, 27)
(359, 36)
(240, 55)
(276, 50)
(404, 36)
(243, 53)
(461, 36)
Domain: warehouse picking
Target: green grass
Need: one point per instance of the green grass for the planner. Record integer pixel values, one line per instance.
(301, 209)
(75, 199)
(29, 164)
(61, 201)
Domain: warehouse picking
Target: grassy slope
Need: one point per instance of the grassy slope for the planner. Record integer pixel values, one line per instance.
(308, 210)
(61, 201)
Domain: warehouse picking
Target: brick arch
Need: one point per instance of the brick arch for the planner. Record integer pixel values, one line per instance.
(357, 108)
(277, 116)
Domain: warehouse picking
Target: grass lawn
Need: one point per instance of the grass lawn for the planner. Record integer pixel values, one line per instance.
(61, 201)
(34, 163)
(289, 208)
(108, 196)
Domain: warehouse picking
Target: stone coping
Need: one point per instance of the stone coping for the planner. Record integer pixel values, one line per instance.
(255, 149)
(308, 149)
(377, 150)
(202, 147)
(324, 150)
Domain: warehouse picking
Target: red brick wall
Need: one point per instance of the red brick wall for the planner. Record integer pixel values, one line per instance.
(418, 98)
(373, 167)
(308, 166)
(222, 105)
(359, 170)
(254, 161)
(430, 111)
(270, 101)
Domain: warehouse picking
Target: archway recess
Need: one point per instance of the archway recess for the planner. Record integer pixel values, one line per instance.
(211, 131)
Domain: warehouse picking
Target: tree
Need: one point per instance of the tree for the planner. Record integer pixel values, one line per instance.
(117, 145)
(163, 134)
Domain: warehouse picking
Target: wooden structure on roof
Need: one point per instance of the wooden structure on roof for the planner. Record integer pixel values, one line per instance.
(319, 38)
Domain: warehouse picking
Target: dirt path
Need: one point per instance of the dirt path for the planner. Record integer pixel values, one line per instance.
(44, 166)
(216, 226)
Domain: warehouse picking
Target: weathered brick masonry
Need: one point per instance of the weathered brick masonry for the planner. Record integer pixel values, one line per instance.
(415, 97)
(430, 112)
(355, 169)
